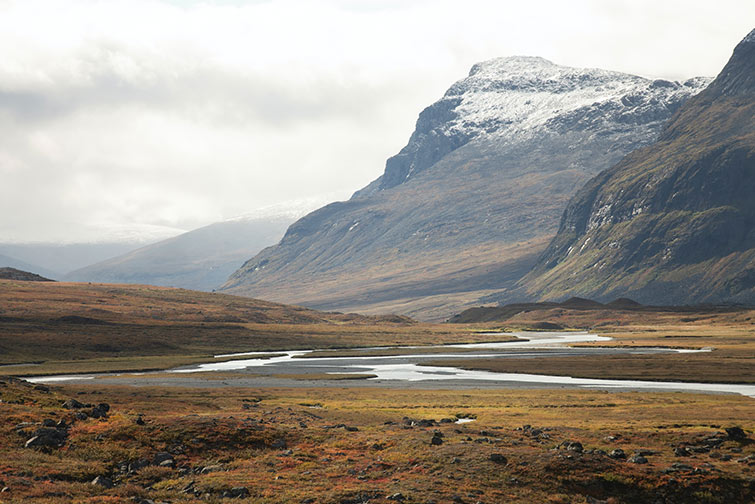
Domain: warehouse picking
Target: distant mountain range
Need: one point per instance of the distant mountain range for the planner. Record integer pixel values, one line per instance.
(201, 259)
(57, 259)
(673, 222)
(466, 208)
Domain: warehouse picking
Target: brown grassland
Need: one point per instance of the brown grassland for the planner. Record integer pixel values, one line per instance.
(347, 445)
(70, 327)
(368, 445)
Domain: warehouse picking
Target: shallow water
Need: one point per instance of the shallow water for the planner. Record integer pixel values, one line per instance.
(406, 368)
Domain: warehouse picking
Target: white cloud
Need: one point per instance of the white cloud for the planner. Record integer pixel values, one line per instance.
(179, 113)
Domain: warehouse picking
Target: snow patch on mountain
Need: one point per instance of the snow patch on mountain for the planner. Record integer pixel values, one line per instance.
(516, 99)
(521, 95)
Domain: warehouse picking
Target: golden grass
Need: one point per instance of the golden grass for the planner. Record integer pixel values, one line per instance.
(235, 432)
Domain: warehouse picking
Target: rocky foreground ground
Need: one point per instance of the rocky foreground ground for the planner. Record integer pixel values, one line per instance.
(150, 445)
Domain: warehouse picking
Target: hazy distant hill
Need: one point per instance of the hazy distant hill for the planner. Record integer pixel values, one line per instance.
(57, 259)
(201, 259)
(674, 222)
(474, 197)
(16, 274)
(11, 262)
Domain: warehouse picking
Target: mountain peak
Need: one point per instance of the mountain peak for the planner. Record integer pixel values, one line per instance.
(749, 39)
(509, 64)
(525, 96)
(738, 76)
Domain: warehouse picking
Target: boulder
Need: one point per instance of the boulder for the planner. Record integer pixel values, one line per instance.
(102, 481)
(736, 433)
(681, 451)
(46, 437)
(498, 458)
(161, 457)
(74, 404)
(618, 453)
(638, 459)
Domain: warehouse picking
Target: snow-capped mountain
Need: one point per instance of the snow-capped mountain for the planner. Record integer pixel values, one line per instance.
(468, 204)
(518, 98)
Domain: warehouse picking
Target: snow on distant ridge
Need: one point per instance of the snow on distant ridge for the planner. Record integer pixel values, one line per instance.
(292, 209)
(520, 99)
(520, 94)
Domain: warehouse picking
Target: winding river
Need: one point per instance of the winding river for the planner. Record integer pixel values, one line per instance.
(407, 369)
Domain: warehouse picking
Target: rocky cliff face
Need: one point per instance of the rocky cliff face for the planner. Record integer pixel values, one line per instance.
(472, 199)
(674, 222)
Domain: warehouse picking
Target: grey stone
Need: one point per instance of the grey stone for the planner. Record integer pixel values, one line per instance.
(103, 482)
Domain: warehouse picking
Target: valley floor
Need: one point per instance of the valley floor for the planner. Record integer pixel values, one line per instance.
(321, 438)
(347, 445)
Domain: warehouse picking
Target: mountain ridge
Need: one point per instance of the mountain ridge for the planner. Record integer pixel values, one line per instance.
(673, 222)
(473, 198)
(200, 259)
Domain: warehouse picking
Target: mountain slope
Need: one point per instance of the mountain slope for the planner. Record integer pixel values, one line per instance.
(16, 274)
(201, 259)
(473, 198)
(11, 262)
(674, 222)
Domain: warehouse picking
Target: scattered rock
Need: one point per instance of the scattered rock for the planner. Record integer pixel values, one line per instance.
(103, 482)
(138, 464)
(279, 444)
(161, 457)
(736, 433)
(678, 466)
(638, 459)
(681, 451)
(237, 493)
(46, 437)
(574, 446)
(74, 404)
(398, 496)
(644, 453)
(436, 440)
(498, 458)
(618, 453)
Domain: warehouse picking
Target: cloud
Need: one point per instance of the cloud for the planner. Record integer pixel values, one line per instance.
(179, 113)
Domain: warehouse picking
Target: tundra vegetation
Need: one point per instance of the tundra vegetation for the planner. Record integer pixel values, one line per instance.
(100, 442)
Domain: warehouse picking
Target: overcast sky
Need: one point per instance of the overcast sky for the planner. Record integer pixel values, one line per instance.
(170, 114)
